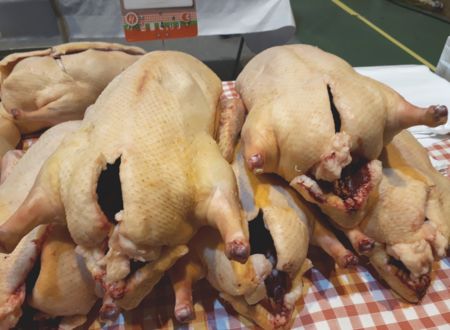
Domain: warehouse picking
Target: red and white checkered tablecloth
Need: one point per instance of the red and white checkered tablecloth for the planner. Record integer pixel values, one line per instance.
(229, 90)
(441, 152)
(332, 299)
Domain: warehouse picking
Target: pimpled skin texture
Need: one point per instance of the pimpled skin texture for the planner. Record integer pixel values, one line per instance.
(64, 286)
(42, 88)
(406, 221)
(397, 222)
(406, 153)
(410, 217)
(289, 218)
(290, 223)
(398, 219)
(8, 161)
(313, 119)
(282, 212)
(207, 259)
(173, 178)
(14, 267)
(241, 285)
(311, 115)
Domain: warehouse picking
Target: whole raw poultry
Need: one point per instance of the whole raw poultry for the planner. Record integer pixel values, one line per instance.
(409, 218)
(320, 125)
(41, 88)
(266, 288)
(156, 120)
(15, 267)
(311, 115)
(408, 155)
(64, 287)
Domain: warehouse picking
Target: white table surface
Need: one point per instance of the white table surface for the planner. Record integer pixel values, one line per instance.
(420, 86)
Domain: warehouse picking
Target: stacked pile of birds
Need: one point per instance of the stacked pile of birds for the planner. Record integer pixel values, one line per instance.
(161, 176)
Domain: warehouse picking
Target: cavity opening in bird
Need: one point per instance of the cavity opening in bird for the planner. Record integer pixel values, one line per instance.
(419, 285)
(353, 177)
(278, 283)
(109, 190)
(353, 185)
(334, 111)
(135, 265)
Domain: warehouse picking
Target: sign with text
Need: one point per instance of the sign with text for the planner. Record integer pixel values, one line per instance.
(158, 19)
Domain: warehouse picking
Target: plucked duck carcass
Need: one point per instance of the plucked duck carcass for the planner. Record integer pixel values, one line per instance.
(139, 177)
(42, 88)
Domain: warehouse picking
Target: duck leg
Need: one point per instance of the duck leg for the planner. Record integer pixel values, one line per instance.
(183, 275)
(218, 202)
(326, 240)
